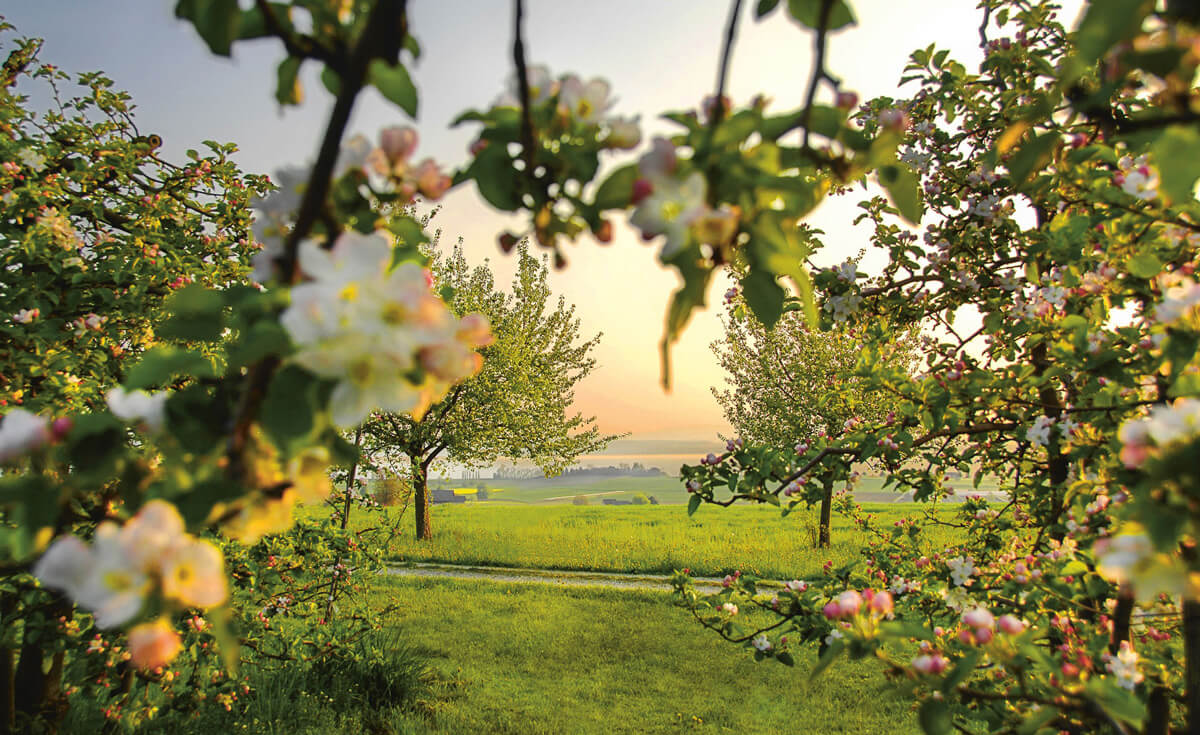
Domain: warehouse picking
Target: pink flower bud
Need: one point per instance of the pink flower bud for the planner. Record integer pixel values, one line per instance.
(880, 603)
(983, 635)
(60, 428)
(978, 618)
(832, 610)
(847, 100)
(932, 663)
(398, 143)
(849, 602)
(642, 188)
(1010, 624)
(152, 645)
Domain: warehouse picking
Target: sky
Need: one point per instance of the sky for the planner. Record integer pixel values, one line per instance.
(658, 56)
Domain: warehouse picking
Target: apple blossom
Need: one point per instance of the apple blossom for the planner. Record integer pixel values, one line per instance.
(26, 316)
(761, 643)
(1124, 665)
(586, 102)
(797, 585)
(193, 573)
(729, 608)
(623, 132)
(961, 569)
(20, 432)
(1137, 178)
(147, 409)
(153, 644)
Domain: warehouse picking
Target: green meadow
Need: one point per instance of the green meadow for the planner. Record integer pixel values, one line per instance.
(492, 656)
(641, 539)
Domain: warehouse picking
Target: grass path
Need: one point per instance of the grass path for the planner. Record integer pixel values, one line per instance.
(534, 659)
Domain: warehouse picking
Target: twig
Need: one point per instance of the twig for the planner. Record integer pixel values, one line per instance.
(523, 89)
(718, 113)
(819, 72)
(378, 40)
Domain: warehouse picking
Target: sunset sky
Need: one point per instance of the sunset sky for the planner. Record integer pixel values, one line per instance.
(657, 55)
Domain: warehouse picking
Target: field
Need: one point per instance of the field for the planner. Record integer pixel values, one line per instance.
(533, 659)
(640, 539)
(667, 490)
(507, 657)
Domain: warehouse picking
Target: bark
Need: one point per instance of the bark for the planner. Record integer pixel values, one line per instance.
(421, 498)
(1159, 721)
(1191, 651)
(823, 538)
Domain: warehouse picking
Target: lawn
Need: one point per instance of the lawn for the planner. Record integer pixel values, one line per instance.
(527, 659)
(646, 539)
(667, 490)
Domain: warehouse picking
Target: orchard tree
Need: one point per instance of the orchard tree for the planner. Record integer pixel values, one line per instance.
(1055, 275)
(519, 405)
(1089, 137)
(98, 231)
(791, 384)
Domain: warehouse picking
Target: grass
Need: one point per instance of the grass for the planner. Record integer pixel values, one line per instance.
(532, 659)
(485, 657)
(667, 490)
(639, 539)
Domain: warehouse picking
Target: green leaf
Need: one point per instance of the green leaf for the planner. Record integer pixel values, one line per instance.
(1119, 703)
(196, 419)
(617, 190)
(95, 442)
(785, 658)
(290, 405)
(693, 504)
(904, 189)
(287, 81)
(1037, 720)
(1144, 265)
(808, 13)
(264, 338)
(331, 80)
(1107, 22)
(764, 295)
(962, 670)
(408, 231)
(764, 7)
(905, 629)
(159, 365)
(832, 651)
(394, 83)
(683, 302)
(935, 718)
(496, 178)
(1176, 152)
(217, 21)
(1031, 157)
(197, 314)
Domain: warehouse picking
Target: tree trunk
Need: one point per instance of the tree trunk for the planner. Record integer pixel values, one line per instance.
(1191, 653)
(420, 498)
(826, 513)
